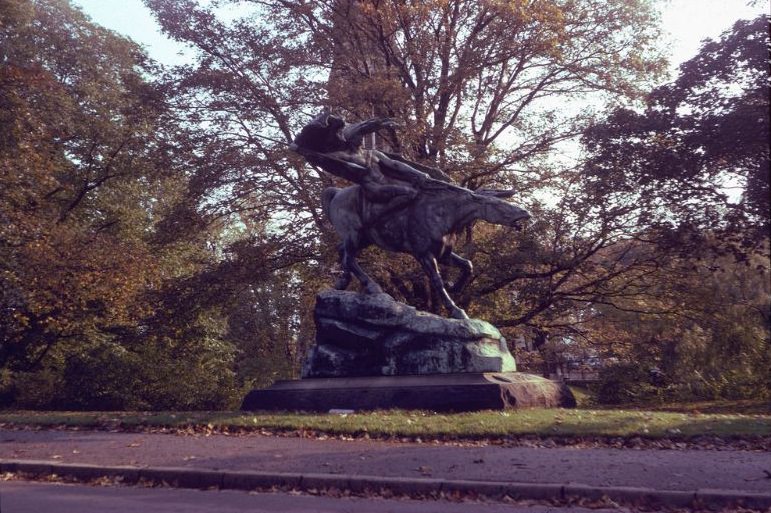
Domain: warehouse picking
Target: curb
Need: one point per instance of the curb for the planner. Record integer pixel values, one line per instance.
(255, 480)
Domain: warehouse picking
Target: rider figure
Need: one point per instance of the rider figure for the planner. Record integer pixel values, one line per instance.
(328, 143)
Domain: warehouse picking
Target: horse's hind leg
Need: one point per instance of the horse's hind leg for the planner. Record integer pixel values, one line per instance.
(428, 262)
(345, 278)
(350, 265)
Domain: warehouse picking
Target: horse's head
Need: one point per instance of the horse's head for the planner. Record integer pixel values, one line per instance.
(498, 211)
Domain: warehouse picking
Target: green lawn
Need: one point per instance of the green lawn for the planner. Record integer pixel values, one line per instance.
(586, 399)
(484, 424)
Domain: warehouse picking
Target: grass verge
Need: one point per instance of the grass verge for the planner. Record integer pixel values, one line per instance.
(586, 399)
(410, 424)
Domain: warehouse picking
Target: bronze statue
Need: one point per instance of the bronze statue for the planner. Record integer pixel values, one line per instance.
(329, 143)
(397, 205)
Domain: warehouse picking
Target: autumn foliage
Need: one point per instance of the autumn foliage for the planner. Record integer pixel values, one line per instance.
(160, 247)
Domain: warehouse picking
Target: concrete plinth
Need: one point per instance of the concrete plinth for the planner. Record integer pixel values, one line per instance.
(438, 392)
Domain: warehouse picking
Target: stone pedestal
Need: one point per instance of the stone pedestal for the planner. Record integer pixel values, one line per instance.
(438, 392)
(373, 352)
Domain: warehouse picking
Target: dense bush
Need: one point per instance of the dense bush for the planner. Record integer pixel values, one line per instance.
(155, 374)
(623, 383)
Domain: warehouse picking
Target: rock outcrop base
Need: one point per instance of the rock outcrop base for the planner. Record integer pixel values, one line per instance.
(374, 335)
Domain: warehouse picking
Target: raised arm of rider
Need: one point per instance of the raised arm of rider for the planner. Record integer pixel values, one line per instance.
(399, 170)
(433, 172)
(339, 167)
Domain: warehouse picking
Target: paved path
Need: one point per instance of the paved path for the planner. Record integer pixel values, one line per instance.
(21, 497)
(684, 470)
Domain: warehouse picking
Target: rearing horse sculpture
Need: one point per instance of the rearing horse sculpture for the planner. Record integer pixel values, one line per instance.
(425, 228)
(398, 205)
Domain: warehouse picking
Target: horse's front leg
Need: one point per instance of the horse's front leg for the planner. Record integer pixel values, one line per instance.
(465, 267)
(428, 262)
(350, 265)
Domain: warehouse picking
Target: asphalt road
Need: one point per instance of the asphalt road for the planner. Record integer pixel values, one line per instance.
(26, 497)
(657, 469)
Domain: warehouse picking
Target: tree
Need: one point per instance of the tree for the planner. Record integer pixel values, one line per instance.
(699, 139)
(86, 192)
(160, 247)
(480, 87)
(667, 173)
(78, 189)
(709, 340)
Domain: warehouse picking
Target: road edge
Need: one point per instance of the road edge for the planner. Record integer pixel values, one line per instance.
(363, 484)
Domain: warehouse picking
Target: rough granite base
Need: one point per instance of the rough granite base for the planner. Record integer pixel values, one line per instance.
(375, 335)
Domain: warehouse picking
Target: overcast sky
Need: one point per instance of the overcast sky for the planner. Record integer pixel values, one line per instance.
(687, 21)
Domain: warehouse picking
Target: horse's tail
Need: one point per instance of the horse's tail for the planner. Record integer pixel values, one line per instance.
(327, 195)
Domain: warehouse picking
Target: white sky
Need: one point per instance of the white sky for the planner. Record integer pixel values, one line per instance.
(687, 21)
(691, 21)
(131, 18)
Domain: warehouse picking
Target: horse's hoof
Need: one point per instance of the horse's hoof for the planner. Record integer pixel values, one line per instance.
(342, 283)
(374, 288)
(459, 314)
(454, 288)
